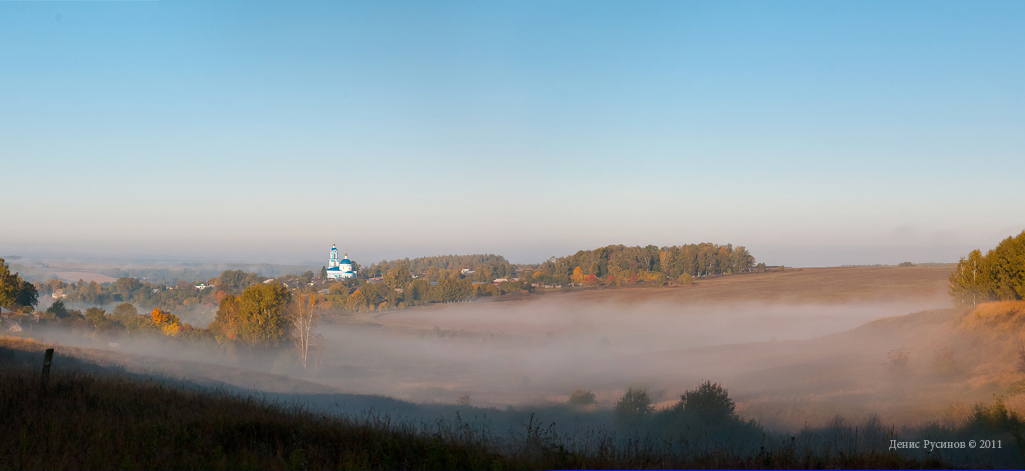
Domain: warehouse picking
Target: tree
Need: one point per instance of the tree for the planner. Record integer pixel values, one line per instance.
(27, 295)
(397, 277)
(710, 402)
(1006, 265)
(234, 281)
(260, 318)
(15, 292)
(303, 315)
(633, 407)
(58, 310)
(968, 281)
(323, 273)
(95, 315)
(581, 397)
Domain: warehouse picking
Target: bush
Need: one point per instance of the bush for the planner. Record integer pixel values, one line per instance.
(58, 309)
(710, 402)
(581, 397)
(633, 407)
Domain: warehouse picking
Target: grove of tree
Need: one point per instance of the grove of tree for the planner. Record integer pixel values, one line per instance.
(999, 275)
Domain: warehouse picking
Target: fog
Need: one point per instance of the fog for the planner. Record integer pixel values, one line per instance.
(787, 364)
(537, 352)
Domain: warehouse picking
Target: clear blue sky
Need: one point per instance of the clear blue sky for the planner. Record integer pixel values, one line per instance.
(814, 133)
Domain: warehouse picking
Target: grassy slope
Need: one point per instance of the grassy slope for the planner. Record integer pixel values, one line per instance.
(90, 417)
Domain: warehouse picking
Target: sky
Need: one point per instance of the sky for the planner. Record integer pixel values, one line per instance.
(813, 133)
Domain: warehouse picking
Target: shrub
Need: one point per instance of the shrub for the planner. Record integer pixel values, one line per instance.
(633, 407)
(710, 402)
(58, 309)
(581, 397)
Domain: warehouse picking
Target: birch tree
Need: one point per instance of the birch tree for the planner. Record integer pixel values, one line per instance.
(303, 314)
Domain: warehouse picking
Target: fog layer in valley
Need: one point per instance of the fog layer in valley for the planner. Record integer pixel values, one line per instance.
(788, 362)
(538, 351)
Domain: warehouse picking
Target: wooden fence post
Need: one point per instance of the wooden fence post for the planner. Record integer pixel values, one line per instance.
(47, 360)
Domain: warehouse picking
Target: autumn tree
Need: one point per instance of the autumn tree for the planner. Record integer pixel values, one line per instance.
(302, 314)
(258, 316)
(169, 323)
(397, 277)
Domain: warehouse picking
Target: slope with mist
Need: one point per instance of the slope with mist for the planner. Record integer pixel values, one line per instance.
(730, 329)
(794, 348)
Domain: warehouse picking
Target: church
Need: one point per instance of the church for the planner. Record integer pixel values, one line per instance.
(338, 269)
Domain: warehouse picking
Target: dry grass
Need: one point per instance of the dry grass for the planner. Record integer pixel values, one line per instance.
(997, 317)
(801, 285)
(89, 417)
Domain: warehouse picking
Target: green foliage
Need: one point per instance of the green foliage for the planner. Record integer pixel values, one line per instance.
(969, 282)
(999, 275)
(123, 312)
(95, 315)
(486, 267)
(234, 281)
(15, 293)
(58, 309)
(621, 264)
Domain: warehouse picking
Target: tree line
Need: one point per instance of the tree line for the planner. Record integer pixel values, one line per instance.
(999, 275)
(481, 267)
(261, 315)
(619, 264)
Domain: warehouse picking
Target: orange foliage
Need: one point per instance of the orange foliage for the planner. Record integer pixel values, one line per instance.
(161, 316)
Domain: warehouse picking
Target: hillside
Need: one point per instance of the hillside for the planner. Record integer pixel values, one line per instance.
(90, 416)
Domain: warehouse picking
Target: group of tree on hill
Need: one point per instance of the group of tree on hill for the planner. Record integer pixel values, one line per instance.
(480, 267)
(619, 264)
(184, 294)
(16, 294)
(998, 275)
(261, 315)
(398, 288)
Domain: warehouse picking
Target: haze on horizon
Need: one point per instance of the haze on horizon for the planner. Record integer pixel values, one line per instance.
(813, 133)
